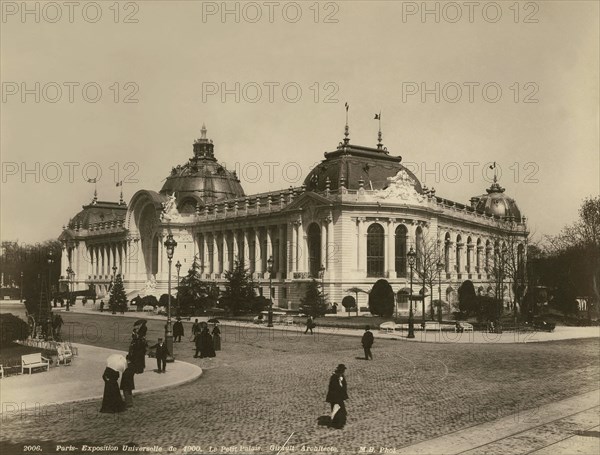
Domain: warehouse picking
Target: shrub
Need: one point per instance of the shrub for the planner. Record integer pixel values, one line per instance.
(12, 328)
(381, 299)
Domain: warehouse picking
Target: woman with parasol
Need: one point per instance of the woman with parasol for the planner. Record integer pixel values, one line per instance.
(112, 400)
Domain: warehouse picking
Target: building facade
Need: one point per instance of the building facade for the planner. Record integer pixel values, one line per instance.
(350, 224)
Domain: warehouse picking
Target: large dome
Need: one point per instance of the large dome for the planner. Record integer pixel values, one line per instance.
(357, 165)
(202, 179)
(496, 203)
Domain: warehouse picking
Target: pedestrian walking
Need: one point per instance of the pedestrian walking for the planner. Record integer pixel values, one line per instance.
(112, 400)
(127, 384)
(101, 306)
(367, 342)
(207, 348)
(337, 393)
(216, 334)
(178, 330)
(195, 329)
(310, 325)
(161, 355)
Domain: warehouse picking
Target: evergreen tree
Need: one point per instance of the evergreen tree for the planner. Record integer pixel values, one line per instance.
(313, 303)
(118, 298)
(193, 294)
(239, 289)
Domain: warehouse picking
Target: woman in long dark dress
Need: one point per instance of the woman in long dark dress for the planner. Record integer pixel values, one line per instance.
(206, 344)
(112, 400)
(216, 334)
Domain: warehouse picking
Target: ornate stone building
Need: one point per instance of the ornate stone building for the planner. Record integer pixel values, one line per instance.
(351, 223)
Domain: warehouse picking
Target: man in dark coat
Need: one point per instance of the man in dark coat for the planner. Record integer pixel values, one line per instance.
(127, 384)
(336, 394)
(367, 342)
(207, 348)
(161, 355)
(178, 330)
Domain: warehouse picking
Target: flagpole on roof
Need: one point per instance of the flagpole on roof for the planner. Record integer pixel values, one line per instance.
(379, 135)
(347, 128)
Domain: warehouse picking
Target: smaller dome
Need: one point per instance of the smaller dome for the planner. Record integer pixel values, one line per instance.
(496, 203)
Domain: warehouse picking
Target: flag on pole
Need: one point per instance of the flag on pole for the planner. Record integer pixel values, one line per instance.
(378, 116)
(120, 183)
(91, 180)
(347, 106)
(493, 166)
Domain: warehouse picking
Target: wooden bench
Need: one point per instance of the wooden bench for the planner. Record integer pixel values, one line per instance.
(465, 326)
(432, 325)
(30, 361)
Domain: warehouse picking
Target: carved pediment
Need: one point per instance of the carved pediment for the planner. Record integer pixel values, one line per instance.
(400, 188)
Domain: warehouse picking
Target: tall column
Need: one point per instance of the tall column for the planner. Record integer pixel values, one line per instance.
(281, 251)
(214, 266)
(390, 252)
(269, 251)
(360, 245)
(257, 251)
(226, 265)
(303, 247)
(234, 246)
(324, 261)
(247, 261)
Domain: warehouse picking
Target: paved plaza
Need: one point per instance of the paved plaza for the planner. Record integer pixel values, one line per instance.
(268, 387)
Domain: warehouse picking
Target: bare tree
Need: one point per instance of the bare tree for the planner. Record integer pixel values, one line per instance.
(429, 255)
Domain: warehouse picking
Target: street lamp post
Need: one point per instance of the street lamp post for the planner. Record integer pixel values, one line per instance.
(178, 267)
(423, 302)
(270, 270)
(114, 280)
(440, 266)
(411, 323)
(70, 281)
(21, 289)
(170, 245)
(50, 262)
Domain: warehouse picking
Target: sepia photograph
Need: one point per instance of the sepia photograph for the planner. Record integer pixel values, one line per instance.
(300, 227)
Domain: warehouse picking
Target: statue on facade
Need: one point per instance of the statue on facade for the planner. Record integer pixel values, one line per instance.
(401, 188)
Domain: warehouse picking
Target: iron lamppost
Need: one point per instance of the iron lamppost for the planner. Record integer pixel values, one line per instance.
(170, 245)
(70, 277)
(178, 267)
(270, 270)
(114, 280)
(411, 323)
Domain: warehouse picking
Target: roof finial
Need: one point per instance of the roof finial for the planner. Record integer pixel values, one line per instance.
(203, 131)
(347, 128)
(379, 135)
(95, 198)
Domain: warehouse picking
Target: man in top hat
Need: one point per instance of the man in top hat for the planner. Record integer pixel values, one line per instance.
(336, 394)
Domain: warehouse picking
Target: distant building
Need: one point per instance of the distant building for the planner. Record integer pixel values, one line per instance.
(351, 223)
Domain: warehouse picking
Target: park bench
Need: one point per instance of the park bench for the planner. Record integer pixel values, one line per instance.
(64, 354)
(388, 327)
(465, 326)
(432, 325)
(30, 361)
(289, 321)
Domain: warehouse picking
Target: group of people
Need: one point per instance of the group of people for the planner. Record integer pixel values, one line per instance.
(207, 343)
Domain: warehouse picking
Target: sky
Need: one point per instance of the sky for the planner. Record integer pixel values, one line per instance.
(119, 91)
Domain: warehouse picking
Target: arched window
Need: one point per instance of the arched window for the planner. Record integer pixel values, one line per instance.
(314, 249)
(401, 233)
(469, 254)
(375, 250)
(402, 298)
